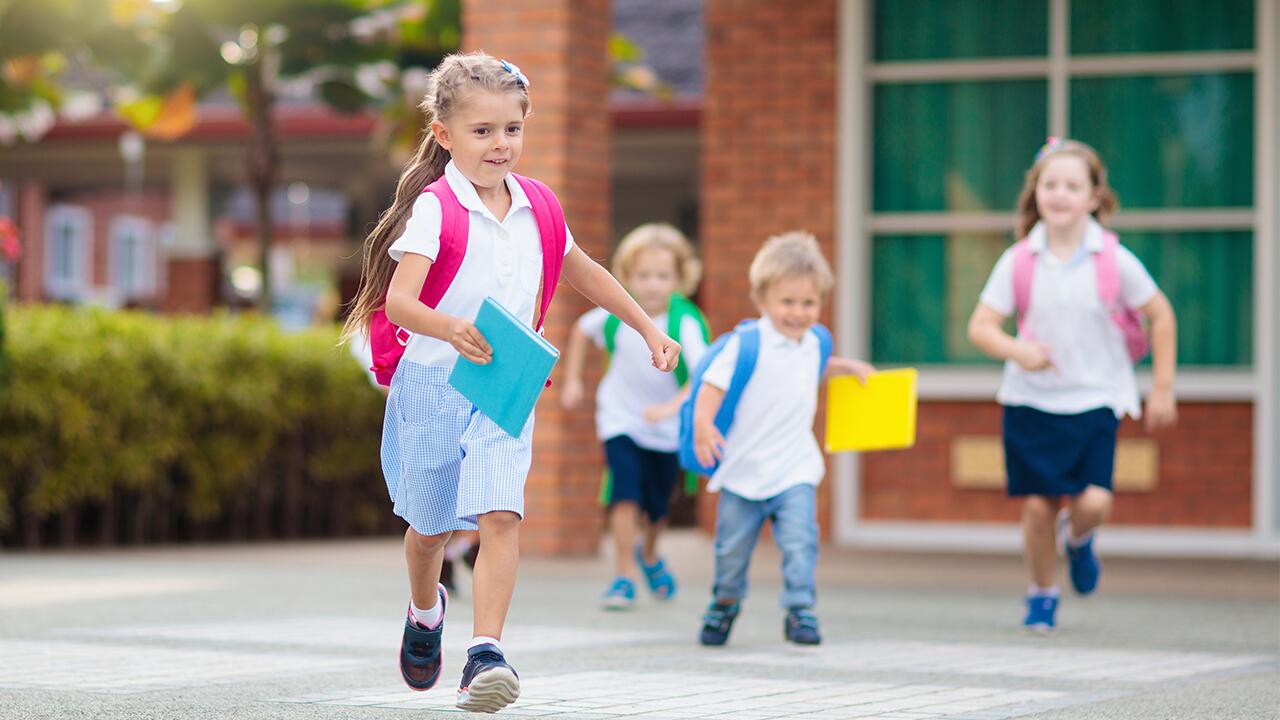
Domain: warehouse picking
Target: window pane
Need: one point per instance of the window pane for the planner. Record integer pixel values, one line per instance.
(1182, 141)
(924, 287)
(1208, 278)
(955, 146)
(63, 250)
(949, 29)
(1148, 26)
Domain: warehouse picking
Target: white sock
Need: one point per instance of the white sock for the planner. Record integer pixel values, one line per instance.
(1076, 542)
(429, 618)
(482, 640)
(1036, 591)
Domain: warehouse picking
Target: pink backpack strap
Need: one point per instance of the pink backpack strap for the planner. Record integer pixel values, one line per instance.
(455, 224)
(386, 340)
(1108, 272)
(1024, 267)
(551, 230)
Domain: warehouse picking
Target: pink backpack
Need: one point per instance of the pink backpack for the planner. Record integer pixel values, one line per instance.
(388, 341)
(1108, 273)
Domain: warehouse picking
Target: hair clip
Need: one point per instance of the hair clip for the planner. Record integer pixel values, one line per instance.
(1053, 142)
(514, 70)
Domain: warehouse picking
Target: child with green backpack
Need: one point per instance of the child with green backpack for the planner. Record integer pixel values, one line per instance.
(636, 405)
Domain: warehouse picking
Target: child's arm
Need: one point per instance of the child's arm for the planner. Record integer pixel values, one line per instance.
(849, 366)
(1162, 409)
(662, 411)
(574, 359)
(405, 310)
(708, 443)
(597, 285)
(986, 333)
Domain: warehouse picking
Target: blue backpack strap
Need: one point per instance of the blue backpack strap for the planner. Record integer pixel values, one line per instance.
(748, 334)
(824, 346)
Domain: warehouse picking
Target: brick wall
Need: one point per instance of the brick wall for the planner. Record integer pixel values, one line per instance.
(1203, 477)
(560, 46)
(768, 147)
(192, 285)
(32, 202)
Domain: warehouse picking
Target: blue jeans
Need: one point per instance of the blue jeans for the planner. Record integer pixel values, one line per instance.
(795, 528)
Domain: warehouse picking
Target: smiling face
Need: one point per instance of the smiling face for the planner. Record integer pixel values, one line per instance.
(485, 136)
(1065, 194)
(792, 303)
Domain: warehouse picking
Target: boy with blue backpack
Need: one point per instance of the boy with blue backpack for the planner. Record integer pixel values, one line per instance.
(749, 425)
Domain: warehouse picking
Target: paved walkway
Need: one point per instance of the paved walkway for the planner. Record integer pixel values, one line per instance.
(311, 631)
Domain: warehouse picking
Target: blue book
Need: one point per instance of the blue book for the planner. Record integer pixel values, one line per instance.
(506, 388)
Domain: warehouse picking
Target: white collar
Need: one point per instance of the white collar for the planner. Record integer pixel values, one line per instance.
(771, 335)
(1093, 233)
(470, 199)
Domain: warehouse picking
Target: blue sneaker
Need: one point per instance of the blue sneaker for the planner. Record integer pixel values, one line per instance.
(1042, 613)
(1085, 567)
(621, 595)
(661, 582)
(1083, 561)
(420, 656)
(488, 682)
(717, 622)
(801, 627)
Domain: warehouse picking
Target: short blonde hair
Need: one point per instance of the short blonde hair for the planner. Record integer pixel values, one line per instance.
(791, 254)
(665, 237)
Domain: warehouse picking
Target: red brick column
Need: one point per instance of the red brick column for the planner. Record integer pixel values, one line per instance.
(192, 285)
(768, 147)
(29, 278)
(560, 46)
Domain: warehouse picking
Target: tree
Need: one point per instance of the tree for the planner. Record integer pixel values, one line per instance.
(161, 57)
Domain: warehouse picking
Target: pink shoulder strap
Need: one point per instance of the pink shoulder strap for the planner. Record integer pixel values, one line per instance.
(551, 230)
(455, 224)
(1024, 267)
(1108, 271)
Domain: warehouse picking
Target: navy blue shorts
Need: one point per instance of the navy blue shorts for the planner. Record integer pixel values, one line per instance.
(645, 477)
(1056, 455)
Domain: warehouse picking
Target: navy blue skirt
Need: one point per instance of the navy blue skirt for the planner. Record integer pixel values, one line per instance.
(1055, 455)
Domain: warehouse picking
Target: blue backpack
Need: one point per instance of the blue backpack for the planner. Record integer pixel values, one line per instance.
(748, 334)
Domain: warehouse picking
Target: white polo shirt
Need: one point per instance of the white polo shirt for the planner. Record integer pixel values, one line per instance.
(770, 447)
(632, 384)
(503, 260)
(1092, 368)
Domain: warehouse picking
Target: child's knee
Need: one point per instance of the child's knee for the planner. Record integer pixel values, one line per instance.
(500, 522)
(428, 543)
(1039, 511)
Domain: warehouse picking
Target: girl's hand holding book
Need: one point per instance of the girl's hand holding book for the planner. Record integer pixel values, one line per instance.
(467, 340)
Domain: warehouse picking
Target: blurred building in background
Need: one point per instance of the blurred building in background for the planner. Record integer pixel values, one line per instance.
(897, 131)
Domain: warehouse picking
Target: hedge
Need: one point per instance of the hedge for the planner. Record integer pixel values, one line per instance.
(129, 426)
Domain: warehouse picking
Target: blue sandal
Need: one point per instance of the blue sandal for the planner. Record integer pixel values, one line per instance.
(661, 582)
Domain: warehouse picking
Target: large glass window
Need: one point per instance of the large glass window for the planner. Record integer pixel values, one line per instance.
(937, 29)
(952, 139)
(133, 257)
(1173, 141)
(68, 244)
(1159, 26)
(946, 146)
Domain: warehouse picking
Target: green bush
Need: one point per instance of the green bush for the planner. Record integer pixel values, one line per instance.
(183, 427)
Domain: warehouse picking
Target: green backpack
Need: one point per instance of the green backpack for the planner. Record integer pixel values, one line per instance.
(679, 308)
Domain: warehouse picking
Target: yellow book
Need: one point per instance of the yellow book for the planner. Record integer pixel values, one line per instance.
(880, 415)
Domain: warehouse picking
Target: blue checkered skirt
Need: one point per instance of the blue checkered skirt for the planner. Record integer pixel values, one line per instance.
(445, 462)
